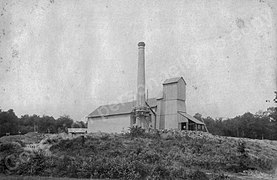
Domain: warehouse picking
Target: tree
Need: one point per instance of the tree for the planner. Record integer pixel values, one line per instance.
(29, 123)
(47, 124)
(198, 116)
(64, 122)
(78, 124)
(8, 122)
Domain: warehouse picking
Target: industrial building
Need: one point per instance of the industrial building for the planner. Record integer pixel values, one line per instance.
(165, 112)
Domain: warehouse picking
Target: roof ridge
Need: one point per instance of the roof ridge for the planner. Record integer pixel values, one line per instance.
(124, 102)
(124, 107)
(173, 80)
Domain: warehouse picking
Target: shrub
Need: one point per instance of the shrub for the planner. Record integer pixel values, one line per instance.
(2, 166)
(263, 164)
(178, 173)
(34, 166)
(198, 175)
(136, 131)
(150, 157)
(160, 172)
(143, 156)
(10, 147)
(241, 147)
(244, 160)
(220, 176)
(22, 144)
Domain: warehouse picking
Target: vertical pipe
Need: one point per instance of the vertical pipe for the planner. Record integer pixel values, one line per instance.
(141, 75)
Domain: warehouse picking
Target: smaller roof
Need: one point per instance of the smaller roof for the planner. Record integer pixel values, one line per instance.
(173, 80)
(190, 117)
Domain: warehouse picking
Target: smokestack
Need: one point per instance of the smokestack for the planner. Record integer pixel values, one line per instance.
(141, 75)
(140, 115)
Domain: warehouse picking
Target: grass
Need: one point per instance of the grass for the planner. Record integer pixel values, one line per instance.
(16, 177)
(154, 155)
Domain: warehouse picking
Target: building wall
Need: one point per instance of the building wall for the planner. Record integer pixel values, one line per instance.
(171, 121)
(170, 114)
(174, 101)
(170, 91)
(160, 114)
(181, 105)
(181, 96)
(170, 107)
(109, 124)
(181, 90)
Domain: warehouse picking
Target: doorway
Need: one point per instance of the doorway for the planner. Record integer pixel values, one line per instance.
(183, 126)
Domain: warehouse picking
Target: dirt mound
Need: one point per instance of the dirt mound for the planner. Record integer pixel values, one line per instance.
(156, 155)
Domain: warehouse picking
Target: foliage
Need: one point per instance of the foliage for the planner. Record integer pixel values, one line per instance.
(174, 155)
(243, 158)
(136, 131)
(11, 150)
(8, 122)
(199, 175)
(262, 125)
(11, 124)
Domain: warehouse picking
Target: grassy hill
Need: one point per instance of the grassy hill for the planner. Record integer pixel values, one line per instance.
(154, 155)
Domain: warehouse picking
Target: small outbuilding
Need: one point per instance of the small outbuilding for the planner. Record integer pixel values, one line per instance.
(77, 130)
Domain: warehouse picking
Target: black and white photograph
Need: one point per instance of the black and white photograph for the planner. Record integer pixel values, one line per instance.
(138, 89)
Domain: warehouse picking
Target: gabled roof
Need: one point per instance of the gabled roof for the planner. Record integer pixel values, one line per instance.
(118, 109)
(190, 117)
(173, 80)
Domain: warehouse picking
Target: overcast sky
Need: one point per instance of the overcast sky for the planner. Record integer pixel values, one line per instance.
(68, 57)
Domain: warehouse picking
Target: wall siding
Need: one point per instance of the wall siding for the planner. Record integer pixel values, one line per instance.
(110, 124)
(170, 91)
(181, 106)
(171, 121)
(181, 90)
(160, 114)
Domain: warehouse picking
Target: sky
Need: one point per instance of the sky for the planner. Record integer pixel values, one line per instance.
(67, 57)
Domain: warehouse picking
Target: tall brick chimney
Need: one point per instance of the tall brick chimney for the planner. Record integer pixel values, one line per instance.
(140, 115)
(141, 75)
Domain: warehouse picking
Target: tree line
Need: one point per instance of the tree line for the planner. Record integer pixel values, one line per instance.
(261, 125)
(11, 124)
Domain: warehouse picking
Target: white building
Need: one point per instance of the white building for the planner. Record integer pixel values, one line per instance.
(167, 112)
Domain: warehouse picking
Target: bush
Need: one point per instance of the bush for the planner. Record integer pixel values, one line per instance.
(178, 173)
(34, 166)
(198, 175)
(141, 155)
(220, 176)
(136, 131)
(160, 172)
(2, 166)
(10, 147)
